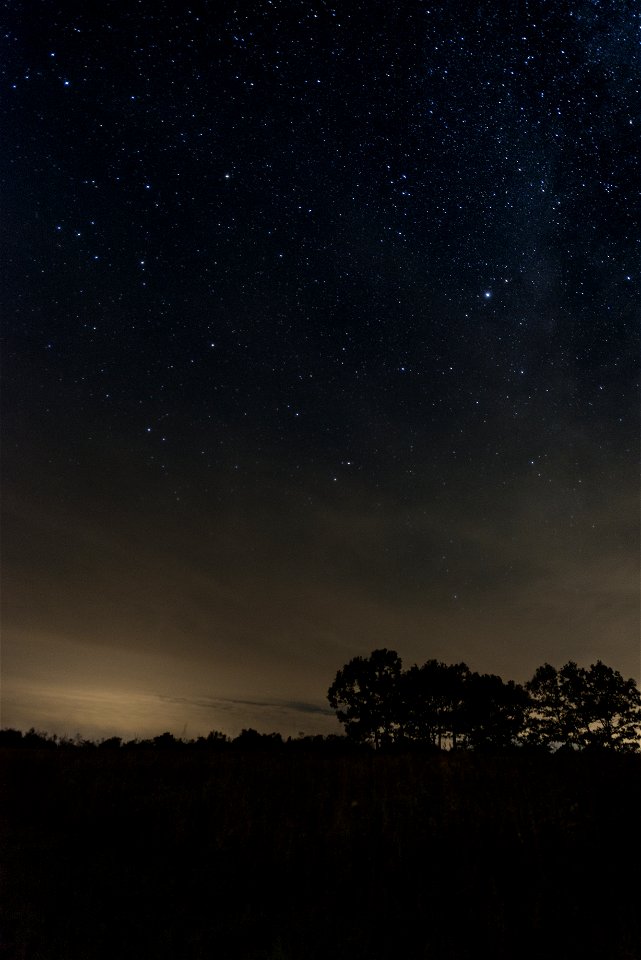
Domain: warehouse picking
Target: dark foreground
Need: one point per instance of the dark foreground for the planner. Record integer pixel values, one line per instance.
(153, 855)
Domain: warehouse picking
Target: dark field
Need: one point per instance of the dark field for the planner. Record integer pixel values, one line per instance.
(116, 854)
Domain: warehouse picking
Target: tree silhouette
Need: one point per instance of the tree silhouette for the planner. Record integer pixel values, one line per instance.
(366, 697)
(441, 705)
(579, 708)
(611, 708)
(431, 702)
(493, 712)
(550, 718)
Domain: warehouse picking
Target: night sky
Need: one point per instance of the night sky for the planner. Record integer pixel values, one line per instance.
(320, 334)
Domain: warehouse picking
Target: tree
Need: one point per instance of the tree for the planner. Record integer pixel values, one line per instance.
(366, 697)
(431, 701)
(493, 712)
(576, 707)
(611, 709)
(550, 719)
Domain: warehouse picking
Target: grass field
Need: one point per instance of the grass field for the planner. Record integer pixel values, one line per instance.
(185, 855)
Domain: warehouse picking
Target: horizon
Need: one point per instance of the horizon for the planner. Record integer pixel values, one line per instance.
(288, 712)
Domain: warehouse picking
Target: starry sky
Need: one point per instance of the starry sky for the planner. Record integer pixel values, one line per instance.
(321, 334)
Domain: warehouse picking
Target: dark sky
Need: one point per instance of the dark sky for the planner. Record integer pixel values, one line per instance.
(321, 333)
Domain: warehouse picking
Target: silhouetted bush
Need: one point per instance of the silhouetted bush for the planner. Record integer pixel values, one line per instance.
(215, 741)
(111, 743)
(38, 740)
(10, 737)
(252, 741)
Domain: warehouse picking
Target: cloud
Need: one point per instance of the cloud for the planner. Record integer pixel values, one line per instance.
(215, 703)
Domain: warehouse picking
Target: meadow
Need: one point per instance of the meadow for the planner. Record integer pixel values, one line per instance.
(284, 855)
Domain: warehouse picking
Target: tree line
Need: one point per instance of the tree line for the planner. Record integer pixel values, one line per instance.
(439, 705)
(247, 741)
